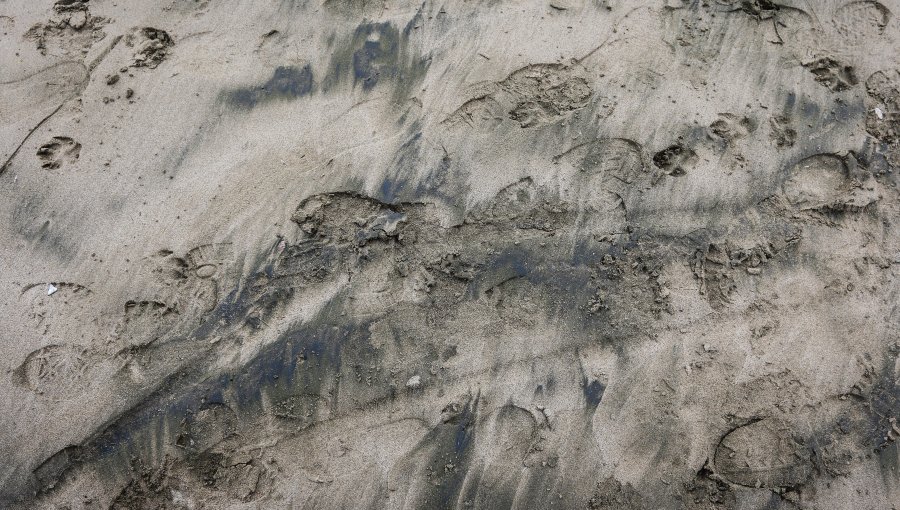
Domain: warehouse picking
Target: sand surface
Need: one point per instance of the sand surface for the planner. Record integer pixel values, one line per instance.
(329, 254)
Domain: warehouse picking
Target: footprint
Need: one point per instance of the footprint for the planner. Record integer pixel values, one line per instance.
(209, 260)
(60, 311)
(58, 151)
(675, 160)
(763, 454)
(783, 134)
(796, 28)
(168, 268)
(823, 183)
(618, 160)
(151, 45)
(730, 127)
(510, 203)
(190, 283)
(611, 168)
(482, 112)
(7, 23)
(51, 471)
(534, 95)
(149, 487)
(858, 22)
(883, 106)
(208, 427)
(236, 476)
(336, 228)
(514, 428)
(832, 74)
(816, 181)
(146, 322)
(762, 9)
(71, 31)
(54, 369)
(545, 92)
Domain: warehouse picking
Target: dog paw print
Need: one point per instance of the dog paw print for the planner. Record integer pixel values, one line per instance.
(59, 151)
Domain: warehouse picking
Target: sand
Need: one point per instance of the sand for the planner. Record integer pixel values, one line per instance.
(324, 254)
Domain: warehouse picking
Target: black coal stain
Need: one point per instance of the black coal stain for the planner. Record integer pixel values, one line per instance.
(286, 83)
(593, 394)
(377, 53)
(418, 173)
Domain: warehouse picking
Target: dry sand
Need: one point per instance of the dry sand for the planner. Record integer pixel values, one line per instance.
(329, 254)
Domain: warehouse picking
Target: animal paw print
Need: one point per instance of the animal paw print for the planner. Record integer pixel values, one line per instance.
(832, 74)
(675, 160)
(152, 46)
(59, 151)
(730, 127)
(782, 131)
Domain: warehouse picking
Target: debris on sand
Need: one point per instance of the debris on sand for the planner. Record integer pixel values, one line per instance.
(414, 382)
